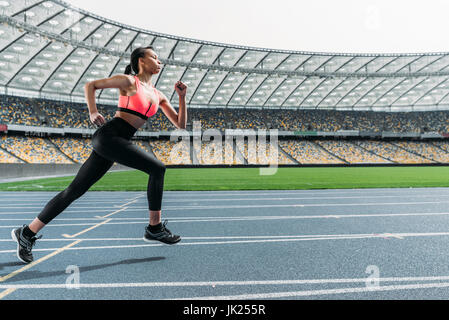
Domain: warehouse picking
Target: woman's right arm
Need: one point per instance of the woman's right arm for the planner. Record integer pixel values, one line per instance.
(121, 82)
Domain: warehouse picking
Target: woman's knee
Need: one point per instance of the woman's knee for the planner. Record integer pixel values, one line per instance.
(158, 169)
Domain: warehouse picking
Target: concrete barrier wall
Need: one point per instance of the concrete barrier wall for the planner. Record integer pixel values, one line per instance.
(24, 170)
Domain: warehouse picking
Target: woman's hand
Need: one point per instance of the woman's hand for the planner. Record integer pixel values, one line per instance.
(181, 89)
(97, 119)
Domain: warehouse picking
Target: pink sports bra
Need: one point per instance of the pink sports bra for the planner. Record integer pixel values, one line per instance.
(138, 104)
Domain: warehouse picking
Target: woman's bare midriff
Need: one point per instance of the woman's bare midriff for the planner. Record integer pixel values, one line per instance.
(133, 120)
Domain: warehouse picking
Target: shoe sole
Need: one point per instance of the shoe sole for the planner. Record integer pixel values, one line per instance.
(13, 236)
(155, 240)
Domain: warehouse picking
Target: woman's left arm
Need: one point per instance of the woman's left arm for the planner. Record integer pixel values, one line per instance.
(179, 120)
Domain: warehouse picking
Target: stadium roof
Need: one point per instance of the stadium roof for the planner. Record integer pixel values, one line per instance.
(51, 49)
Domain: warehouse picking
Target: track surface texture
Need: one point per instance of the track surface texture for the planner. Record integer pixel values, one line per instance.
(304, 244)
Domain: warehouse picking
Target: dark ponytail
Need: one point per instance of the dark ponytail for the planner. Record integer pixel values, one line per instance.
(135, 55)
(128, 69)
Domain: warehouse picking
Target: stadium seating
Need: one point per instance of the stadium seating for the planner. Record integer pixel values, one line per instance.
(18, 110)
(32, 149)
(290, 151)
(14, 110)
(257, 155)
(425, 150)
(171, 152)
(7, 158)
(68, 149)
(392, 152)
(307, 152)
(76, 149)
(350, 152)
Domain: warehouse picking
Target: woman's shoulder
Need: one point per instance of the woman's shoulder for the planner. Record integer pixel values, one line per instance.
(125, 82)
(131, 80)
(161, 94)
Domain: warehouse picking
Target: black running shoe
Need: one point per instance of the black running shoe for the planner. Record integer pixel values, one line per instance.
(24, 244)
(163, 235)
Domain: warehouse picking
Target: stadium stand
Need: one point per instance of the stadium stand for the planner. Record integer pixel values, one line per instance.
(350, 152)
(32, 149)
(69, 149)
(19, 110)
(392, 152)
(424, 150)
(15, 110)
(257, 155)
(307, 152)
(170, 152)
(76, 149)
(212, 153)
(441, 145)
(5, 157)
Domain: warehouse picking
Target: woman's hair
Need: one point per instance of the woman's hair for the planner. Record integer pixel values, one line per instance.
(137, 53)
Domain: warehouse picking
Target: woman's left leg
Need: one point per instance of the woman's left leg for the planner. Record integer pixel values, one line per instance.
(90, 172)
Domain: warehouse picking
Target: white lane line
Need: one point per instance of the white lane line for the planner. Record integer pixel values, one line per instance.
(74, 219)
(31, 201)
(245, 218)
(299, 205)
(78, 207)
(348, 237)
(58, 225)
(239, 218)
(201, 194)
(382, 235)
(115, 212)
(27, 195)
(67, 211)
(309, 293)
(86, 230)
(397, 235)
(230, 283)
(87, 209)
(184, 208)
(39, 194)
(233, 199)
(389, 235)
(124, 205)
(306, 198)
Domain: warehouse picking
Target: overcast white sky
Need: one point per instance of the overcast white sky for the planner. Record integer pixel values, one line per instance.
(351, 26)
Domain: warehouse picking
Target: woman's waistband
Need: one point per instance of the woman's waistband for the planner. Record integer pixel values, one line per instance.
(122, 127)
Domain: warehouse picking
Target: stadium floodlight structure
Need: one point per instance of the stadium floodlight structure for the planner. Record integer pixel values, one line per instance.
(51, 49)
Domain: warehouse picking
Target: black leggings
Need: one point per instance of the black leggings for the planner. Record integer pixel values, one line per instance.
(111, 143)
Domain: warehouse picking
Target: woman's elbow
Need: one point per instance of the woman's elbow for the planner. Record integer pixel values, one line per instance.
(89, 86)
(180, 125)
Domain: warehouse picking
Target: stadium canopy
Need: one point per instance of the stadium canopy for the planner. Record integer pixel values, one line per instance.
(51, 49)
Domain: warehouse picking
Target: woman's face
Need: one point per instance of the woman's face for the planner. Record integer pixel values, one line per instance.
(150, 62)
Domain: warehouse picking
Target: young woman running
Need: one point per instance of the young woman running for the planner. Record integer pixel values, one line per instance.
(138, 101)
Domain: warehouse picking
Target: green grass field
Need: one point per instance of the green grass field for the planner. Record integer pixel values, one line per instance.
(250, 179)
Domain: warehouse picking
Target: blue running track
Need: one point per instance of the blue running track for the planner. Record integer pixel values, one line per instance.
(314, 244)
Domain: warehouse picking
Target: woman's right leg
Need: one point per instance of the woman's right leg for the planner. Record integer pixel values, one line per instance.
(90, 172)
